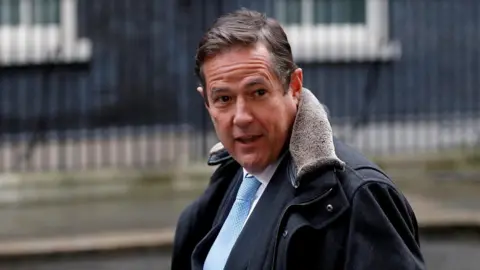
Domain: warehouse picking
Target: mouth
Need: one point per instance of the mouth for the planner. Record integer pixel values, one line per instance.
(248, 139)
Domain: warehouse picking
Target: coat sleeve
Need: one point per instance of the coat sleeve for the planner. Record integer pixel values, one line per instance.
(182, 245)
(383, 231)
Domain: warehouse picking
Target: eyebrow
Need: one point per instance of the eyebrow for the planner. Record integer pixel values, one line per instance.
(218, 89)
(255, 81)
(250, 83)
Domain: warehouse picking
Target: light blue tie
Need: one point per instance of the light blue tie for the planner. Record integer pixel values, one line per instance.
(220, 250)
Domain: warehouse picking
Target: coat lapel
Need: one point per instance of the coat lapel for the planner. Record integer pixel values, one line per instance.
(322, 202)
(255, 242)
(217, 213)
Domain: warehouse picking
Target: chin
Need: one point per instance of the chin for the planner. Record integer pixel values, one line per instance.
(253, 165)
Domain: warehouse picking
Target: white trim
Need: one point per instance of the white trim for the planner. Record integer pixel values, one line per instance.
(35, 44)
(331, 43)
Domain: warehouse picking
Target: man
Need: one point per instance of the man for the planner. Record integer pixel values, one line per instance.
(286, 194)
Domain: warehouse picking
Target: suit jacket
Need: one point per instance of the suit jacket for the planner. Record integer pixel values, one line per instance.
(327, 207)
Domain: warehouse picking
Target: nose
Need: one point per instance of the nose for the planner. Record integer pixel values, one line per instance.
(243, 116)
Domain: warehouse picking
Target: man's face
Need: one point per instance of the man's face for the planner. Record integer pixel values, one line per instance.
(249, 108)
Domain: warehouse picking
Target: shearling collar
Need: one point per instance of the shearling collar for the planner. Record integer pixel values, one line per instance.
(311, 143)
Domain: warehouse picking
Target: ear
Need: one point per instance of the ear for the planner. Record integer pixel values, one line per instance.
(296, 84)
(202, 93)
(200, 90)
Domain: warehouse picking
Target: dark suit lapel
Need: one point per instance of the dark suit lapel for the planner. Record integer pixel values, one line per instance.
(201, 250)
(257, 235)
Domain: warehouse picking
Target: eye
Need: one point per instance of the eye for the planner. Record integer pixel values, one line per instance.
(260, 92)
(223, 99)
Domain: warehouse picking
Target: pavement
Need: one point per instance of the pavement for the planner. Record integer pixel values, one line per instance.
(431, 213)
(100, 226)
(95, 242)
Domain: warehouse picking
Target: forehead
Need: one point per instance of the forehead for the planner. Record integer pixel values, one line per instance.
(237, 63)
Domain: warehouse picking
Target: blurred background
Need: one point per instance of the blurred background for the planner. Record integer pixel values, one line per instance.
(104, 140)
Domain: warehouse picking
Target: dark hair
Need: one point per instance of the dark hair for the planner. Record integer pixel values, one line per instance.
(246, 28)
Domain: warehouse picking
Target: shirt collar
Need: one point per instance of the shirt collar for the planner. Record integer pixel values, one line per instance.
(265, 176)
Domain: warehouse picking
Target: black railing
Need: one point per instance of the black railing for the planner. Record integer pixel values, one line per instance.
(113, 84)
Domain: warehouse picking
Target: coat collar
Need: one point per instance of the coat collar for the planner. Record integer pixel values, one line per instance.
(311, 143)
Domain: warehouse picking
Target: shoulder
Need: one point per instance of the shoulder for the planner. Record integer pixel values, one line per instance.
(218, 155)
(380, 216)
(367, 185)
(217, 186)
(226, 165)
(359, 170)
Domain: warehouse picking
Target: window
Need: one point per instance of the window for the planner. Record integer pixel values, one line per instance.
(337, 30)
(36, 31)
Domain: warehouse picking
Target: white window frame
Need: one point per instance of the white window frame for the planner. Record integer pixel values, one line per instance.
(27, 44)
(343, 42)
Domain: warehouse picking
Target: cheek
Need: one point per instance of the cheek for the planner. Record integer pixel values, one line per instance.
(214, 119)
(214, 115)
(287, 115)
(221, 122)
